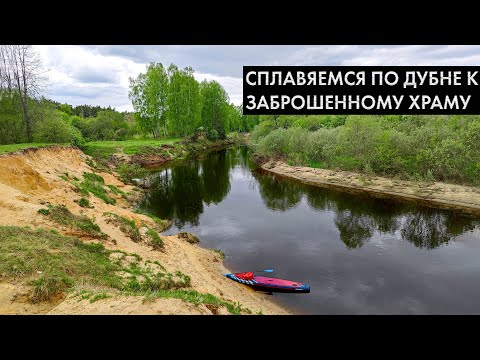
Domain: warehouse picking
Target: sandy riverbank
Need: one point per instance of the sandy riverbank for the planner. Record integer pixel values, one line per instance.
(30, 179)
(434, 194)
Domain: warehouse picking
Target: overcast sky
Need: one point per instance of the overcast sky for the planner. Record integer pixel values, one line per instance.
(98, 75)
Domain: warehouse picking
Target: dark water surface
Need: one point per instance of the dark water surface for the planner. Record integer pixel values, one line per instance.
(361, 255)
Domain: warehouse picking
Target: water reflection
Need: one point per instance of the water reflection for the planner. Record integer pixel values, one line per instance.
(181, 192)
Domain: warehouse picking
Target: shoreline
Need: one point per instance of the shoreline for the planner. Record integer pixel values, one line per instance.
(434, 194)
(35, 177)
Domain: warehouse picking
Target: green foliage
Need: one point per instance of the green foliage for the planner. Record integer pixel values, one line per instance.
(148, 93)
(213, 135)
(83, 202)
(128, 171)
(16, 147)
(444, 148)
(215, 107)
(44, 211)
(107, 125)
(183, 100)
(54, 128)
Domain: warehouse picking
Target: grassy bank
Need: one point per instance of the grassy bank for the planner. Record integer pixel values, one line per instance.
(53, 265)
(418, 148)
(4, 149)
(129, 147)
(129, 157)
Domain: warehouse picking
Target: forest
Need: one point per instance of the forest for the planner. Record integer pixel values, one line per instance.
(167, 102)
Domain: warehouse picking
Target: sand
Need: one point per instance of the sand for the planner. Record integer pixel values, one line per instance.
(30, 179)
(434, 194)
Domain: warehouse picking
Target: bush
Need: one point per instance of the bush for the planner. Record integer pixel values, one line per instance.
(121, 134)
(83, 202)
(54, 129)
(445, 148)
(274, 144)
(127, 172)
(261, 130)
(213, 135)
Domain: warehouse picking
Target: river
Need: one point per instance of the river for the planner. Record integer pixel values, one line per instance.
(359, 254)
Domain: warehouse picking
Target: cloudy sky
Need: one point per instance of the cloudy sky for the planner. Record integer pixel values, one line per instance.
(98, 75)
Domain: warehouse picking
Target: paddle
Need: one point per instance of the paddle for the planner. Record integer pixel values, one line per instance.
(266, 270)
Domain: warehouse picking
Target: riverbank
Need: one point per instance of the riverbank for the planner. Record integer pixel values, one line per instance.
(433, 194)
(64, 192)
(149, 153)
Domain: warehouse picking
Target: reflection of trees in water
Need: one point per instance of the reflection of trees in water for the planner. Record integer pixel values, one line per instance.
(176, 194)
(216, 176)
(355, 230)
(358, 216)
(278, 194)
(188, 188)
(429, 229)
(179, 193)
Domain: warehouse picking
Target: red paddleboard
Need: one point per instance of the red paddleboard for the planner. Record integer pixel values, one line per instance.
(269, 284)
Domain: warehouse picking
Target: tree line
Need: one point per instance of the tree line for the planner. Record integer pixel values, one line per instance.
(167, 102)
(170, 101)
(411, 147)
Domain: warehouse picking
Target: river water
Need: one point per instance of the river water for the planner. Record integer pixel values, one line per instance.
(359, 254)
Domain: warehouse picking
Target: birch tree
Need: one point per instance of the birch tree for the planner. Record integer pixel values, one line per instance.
(22, 78)
(148, 93)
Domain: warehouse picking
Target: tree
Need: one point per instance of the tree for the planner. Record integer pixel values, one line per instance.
(214, 109)
(184, 102)
(21, 74)
(108, 125)
(148, 93)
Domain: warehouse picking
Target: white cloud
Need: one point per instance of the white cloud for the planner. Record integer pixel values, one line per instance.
(98, 75)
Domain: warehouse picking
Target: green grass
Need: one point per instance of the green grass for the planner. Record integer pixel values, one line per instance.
(99, 296)
(127, 172)
(116, 190)
(54, 264)
(155, 240)
(131, 147)
(127, 226)
(190, 238)
(194, 297)
(83, 202)
(94, 184)
(15, 147)
(61, 215)
(220, 252)
(162, 225)
(315, 164)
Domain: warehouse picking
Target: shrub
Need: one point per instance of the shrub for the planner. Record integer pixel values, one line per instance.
(213, 135)
(127, 172)
(274, 144)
